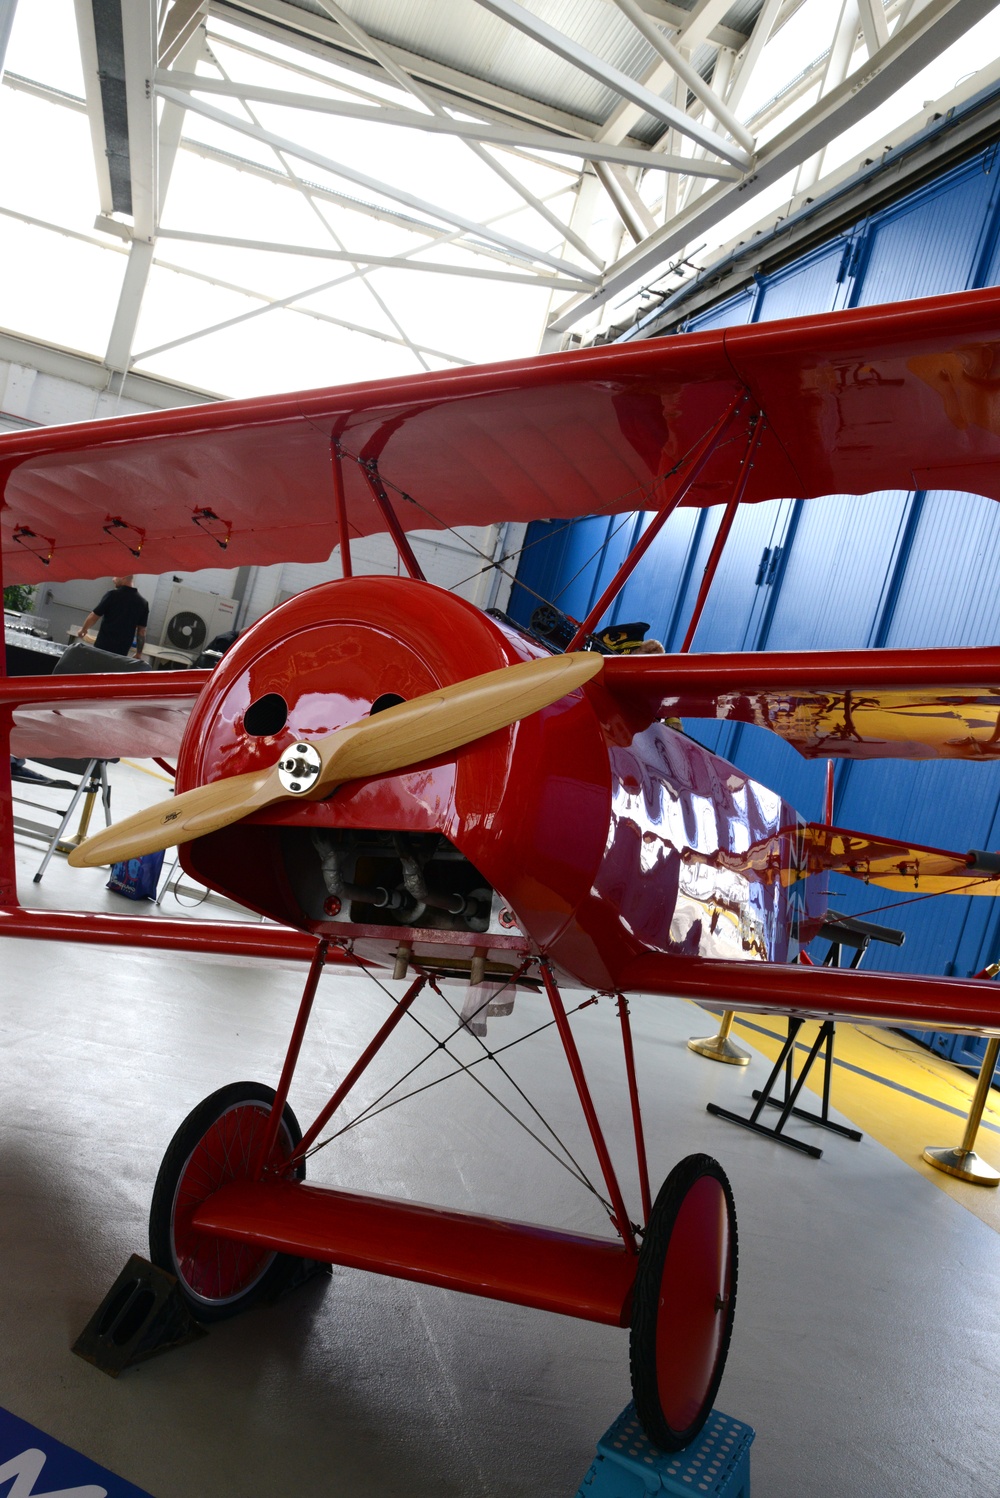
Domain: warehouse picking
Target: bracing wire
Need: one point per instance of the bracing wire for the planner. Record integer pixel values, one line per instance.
(642, 492)
(566, 1160)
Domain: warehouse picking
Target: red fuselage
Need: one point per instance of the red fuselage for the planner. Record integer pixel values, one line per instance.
(585, 832)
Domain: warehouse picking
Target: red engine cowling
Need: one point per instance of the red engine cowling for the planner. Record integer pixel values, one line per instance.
(511, 828)
(584, 832)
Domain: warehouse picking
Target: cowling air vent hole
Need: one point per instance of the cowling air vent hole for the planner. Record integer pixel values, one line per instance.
(268, 715)
(387, 699)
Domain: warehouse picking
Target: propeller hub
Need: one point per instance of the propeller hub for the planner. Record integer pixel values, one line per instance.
(298, 768)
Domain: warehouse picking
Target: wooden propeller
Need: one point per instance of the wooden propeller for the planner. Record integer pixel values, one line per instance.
(400, 736)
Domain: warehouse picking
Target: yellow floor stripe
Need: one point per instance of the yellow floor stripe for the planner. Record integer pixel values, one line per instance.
(134, 764)
(876, 1105)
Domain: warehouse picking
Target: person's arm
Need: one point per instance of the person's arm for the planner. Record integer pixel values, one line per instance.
(90, 620)
(140, 640)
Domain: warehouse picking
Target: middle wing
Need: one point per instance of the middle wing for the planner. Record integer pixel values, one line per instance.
(140, 715)
(855, 704)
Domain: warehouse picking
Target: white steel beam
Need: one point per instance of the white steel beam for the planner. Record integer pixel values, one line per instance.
(873, 25)
(395, 262)
(695, 82)
(445, 124)
(701, 20)
(7, 9)
(747, 61)
(434, 232)
(628, 205)
(427, 99)
(838, 65)
(676, 17)
(649, 102)
(397, 194)
(277, 304)
(909, 49)
(139, 39)
(691, 32)
(244, 164)
(172, 119)
(119, 350)
(318, 35)
(179, 24)
(477, 109)
(140, 258)
(328, 229)
(95, 105)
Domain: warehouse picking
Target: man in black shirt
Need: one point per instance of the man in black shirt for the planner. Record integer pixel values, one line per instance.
(123, 614)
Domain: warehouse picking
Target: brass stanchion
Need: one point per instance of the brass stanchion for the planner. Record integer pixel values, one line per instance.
(720, 1047)
(964, 1162)
(89, 796)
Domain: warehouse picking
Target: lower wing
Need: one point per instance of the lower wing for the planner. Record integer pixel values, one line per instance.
(853, 704)
(821, 992)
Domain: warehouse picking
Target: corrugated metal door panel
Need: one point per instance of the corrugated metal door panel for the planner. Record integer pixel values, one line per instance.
(621, 535)
(989, 271)
(816, 284)
(580, 560)
(969, 1050)
(836, 571)
(730, 314)
(734, 604)
(930, 244)
(537, 567)
(943, 804)
(651, 593)
(701, 542)
(951, 589)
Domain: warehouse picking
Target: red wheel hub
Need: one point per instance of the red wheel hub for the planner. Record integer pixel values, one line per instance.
(217, 1269)
(694, 1294)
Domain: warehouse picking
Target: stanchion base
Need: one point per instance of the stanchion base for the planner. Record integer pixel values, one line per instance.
(965, 1164)
(719, 1048)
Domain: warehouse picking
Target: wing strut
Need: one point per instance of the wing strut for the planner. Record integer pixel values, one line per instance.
(725, 526)
(369, 468)
(703, 452)
(336, 456)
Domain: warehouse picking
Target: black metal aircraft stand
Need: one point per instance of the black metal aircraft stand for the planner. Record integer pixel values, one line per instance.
(840, 931)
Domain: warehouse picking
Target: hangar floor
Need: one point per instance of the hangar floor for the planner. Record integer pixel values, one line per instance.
(867, 1344)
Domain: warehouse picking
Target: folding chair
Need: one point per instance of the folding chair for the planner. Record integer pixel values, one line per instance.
(78, 660)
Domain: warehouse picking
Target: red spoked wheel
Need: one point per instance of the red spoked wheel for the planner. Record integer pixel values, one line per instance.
(685, 1296)
(216, 1144)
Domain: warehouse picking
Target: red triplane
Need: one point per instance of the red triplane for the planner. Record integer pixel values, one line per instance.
(400, 780)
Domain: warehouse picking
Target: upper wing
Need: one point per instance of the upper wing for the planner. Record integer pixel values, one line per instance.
(873, 398)
(852, 704)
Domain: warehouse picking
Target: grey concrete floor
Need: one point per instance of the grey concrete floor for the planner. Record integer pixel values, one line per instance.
(866, 1350)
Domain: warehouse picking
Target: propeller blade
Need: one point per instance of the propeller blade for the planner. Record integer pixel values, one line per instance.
(404, 735)
(169, 823)
(444, 720)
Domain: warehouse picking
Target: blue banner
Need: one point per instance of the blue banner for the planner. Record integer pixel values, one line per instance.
(33, 1465)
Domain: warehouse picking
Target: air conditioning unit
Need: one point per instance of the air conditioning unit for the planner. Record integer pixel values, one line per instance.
(194, 618)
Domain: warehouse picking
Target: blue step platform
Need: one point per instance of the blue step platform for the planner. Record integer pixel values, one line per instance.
(628, 1465)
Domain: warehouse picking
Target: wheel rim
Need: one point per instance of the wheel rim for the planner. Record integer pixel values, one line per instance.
(694, 1303)
(214, 1270)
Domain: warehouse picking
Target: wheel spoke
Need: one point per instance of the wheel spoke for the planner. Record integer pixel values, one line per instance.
(211, 1150)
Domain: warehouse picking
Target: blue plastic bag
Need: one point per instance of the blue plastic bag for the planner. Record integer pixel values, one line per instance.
(136, 878)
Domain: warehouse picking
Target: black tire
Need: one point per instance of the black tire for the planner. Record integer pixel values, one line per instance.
(214, 1145)
(683, 1304)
